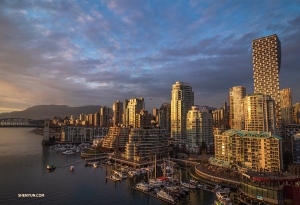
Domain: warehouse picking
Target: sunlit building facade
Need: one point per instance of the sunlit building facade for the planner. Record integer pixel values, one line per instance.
(236, 99)
(182, 100)
(144, 144)
(266, 53)
(286, 106)
(259, 111)
(116, 138)
(221, 117)
(198, 128)
(255, 150)
(117, 113)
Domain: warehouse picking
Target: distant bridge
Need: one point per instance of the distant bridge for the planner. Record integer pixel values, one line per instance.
(21, 122)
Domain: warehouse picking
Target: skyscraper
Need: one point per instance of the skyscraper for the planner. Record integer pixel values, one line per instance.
(104, 116)
(199, 128)
(117, 111)
(286, 106)
(259, 111)
(134, 106)
(165, 117)
(182, 100)
(236, 98)
(266, 53)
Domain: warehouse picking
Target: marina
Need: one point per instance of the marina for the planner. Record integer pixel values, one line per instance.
(83, 185)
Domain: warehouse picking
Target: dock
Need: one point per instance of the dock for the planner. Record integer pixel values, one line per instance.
(150, 193)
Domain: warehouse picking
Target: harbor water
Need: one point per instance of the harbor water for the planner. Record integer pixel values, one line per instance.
(23, 162)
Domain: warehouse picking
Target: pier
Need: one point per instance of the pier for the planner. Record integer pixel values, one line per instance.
(132, 163)
(152, 194)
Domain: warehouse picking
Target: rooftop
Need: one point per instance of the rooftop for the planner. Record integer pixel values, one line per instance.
(250, 134)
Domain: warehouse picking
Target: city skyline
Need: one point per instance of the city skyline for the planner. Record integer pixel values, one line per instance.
(97, 52)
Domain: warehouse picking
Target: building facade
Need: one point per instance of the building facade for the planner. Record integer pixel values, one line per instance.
(117, 113)
(255, 150)
(143, 144)
(266, 53)
(286, 106)
(75, 134)
(259, 111)
(164, 117)
(296, 113)
(199, 128)
(236, 100)
(182, 100)
(296, 148)
(116, 138)
(104, 116)
(134, 106)
(221, 117)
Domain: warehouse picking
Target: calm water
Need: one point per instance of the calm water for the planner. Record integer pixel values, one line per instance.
(23, 163)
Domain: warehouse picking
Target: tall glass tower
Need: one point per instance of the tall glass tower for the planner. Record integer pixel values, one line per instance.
(266, 53)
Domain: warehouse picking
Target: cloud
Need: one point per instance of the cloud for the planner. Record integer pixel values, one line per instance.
(78, 53)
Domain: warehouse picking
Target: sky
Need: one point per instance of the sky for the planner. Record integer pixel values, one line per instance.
(80, 53)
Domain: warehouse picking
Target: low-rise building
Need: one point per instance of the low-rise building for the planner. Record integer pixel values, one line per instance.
(253, 149)
(143, 144)
(76, 134)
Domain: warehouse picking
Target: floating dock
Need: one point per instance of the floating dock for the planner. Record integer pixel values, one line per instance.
(150, 193)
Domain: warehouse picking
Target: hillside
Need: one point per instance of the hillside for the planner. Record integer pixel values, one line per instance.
(40, 112)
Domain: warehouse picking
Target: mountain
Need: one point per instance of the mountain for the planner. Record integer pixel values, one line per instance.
(40, 112)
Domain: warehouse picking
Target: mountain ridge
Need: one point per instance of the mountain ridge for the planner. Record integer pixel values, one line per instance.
(40, 112)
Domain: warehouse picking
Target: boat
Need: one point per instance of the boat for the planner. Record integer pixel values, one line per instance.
(68, 152)
(166, 196)
(72, 168)
(222, 195)
(51, 167)
(142, 186)
(188, 185)
(155, 183)
(114, 178)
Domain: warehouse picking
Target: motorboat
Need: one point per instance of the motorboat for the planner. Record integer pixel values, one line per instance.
(222, 195)
(166, 196)
(71, 168)
(51, 167)
(188, 185)
(68, 152)
(155, 183)
(142, 186)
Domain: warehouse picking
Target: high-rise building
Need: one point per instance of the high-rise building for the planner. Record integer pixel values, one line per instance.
(221, 117)
(296, 113)
(155, 114)
(104, 116)
(134, 106)
(198, 128)
(256, 150)
(96, 119)
(182, 100)
(236, 114)
(143, 119)
(165, 117)
(259, 111)
(286, 106)
(125, 115)
(117, 113)
(266, 52)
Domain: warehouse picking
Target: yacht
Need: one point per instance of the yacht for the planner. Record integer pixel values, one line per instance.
(165, 195)
(155, 182)
(188, 185)
(68, 152)
(222, 195)
(142, 186)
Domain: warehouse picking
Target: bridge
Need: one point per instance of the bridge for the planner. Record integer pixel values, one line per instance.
(21, 122)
